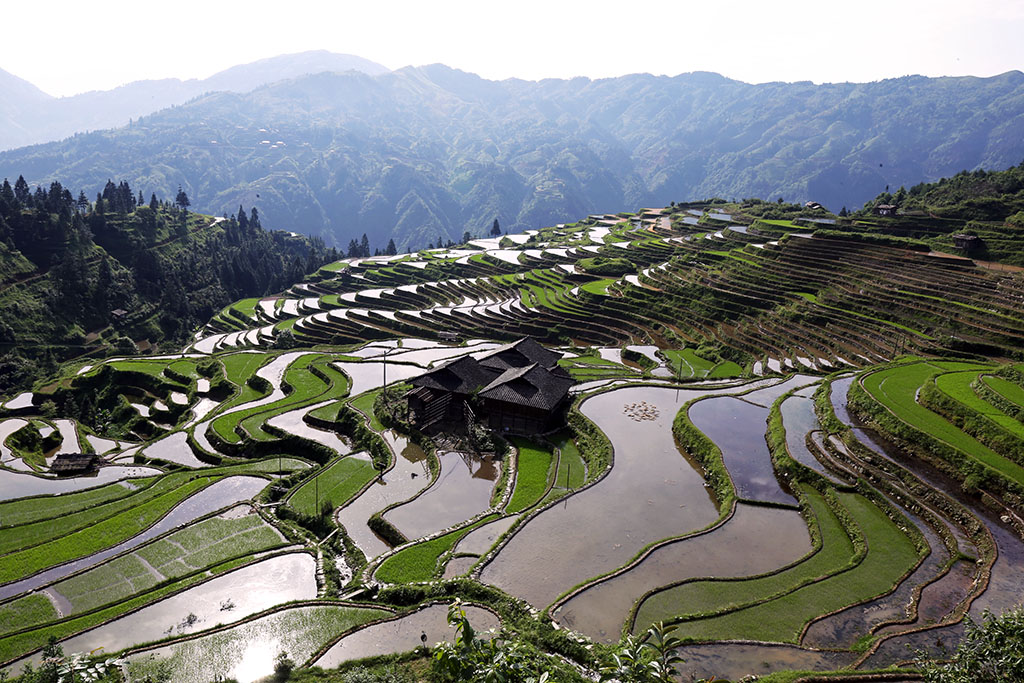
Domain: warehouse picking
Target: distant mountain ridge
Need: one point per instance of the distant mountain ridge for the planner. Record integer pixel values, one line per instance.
(30, 116)
(423, 154)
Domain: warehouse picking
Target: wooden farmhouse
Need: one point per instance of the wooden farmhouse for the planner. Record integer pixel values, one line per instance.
(516, 389)
(967, 242)
(70, 464)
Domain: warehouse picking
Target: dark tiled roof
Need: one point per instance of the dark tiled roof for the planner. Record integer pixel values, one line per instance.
(518, 354)
(460, 376)
(66, 463)
(532, 386)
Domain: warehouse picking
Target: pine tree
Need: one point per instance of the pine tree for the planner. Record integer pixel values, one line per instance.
(181, 199)
(21, 191)
(7, 192)
(391, 249)
(495, 229)
(364, 246)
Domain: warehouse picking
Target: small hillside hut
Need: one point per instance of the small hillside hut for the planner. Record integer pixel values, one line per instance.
(967, 242)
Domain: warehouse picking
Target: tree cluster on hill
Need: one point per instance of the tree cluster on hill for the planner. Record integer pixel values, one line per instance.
(78, 277)
(969, 195)
(988, 205)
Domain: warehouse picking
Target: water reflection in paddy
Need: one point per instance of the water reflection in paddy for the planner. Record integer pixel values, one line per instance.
(367, 376)
(767, 395)
(293, 423)
(937, 642)
(403, 634)
(427, 357)
(738, 429)
(459, 566)
(8, 427)
(733, 661)
(462, 491)
(409, 476)
(755, 540)
(219, 494)
(940, 597)
(23, 484)
(480, 540)
(799, 420)
(247, 652)
(651, 493)
(227, 598)
(174, 448)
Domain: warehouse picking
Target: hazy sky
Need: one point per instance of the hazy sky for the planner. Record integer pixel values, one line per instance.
(68, 47)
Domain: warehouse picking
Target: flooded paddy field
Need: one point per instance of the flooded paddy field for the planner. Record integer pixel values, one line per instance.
(652, 492)
(814, 573)
(247, 652)
(462, 490)
(402, 634)
(737, 427)
(406, 478)
(753, 541)
(219, 494)
(223, 599)
(14, 485)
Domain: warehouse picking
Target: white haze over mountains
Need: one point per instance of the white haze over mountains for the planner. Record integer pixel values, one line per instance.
(30, 116)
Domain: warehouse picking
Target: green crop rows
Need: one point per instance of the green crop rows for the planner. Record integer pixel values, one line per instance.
(1005, 388)
(890, 555)
(958, 386)
(203, 544)
(896, 388)
(572, 471)
(336, 485)
(532, 475)
(419, 562)
(28, 510)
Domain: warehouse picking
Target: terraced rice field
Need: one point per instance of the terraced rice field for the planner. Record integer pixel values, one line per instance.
(248, 493)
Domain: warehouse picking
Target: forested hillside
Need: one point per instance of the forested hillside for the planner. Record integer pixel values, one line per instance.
(976, 195)
(423, 154)
(988, 205)
(81, 277)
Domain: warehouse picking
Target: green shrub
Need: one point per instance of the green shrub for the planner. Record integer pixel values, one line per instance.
(603, 265)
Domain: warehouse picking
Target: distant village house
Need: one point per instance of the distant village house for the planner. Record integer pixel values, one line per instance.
(967, 242)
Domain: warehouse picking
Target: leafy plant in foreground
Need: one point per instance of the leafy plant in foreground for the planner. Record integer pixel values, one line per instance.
(648, 659)
(991, 652)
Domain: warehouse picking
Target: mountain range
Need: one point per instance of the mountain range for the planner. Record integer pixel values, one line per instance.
(29, 116)
(423, 154)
